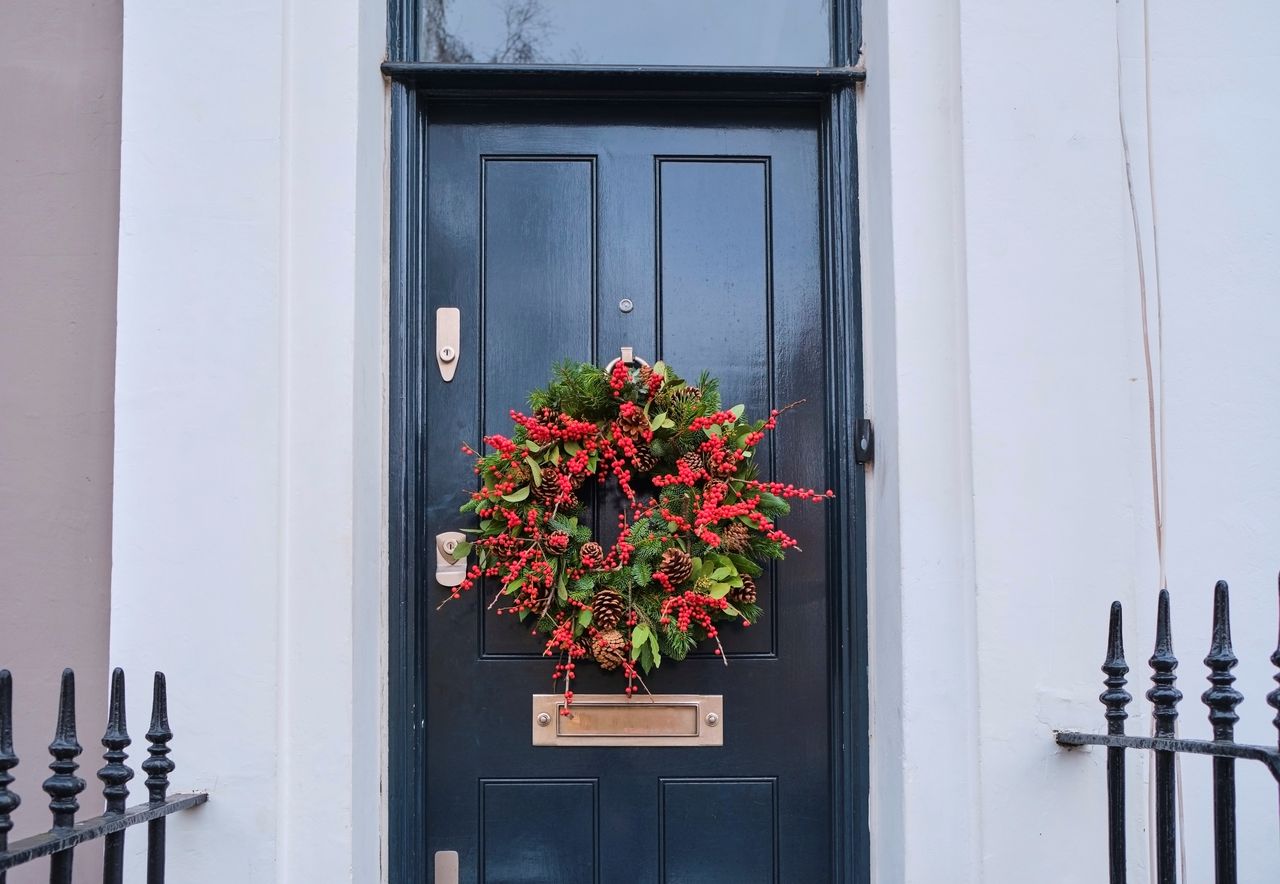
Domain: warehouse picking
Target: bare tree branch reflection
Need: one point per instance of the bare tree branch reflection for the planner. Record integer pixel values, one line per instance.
(527, 27)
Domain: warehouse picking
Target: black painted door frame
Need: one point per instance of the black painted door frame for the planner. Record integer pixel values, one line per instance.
(413, 87)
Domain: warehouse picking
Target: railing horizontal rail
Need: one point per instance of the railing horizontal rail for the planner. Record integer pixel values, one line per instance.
(1269, 757)
(47, 843)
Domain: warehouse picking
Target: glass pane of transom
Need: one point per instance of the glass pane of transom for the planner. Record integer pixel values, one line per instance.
(765, 33)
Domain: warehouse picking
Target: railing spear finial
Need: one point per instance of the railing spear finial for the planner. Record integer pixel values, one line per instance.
(9, 800)
(1164, 695)
(115, 774)
(64, 785)
(1221, 698)
(158, 766)
(1115, 697)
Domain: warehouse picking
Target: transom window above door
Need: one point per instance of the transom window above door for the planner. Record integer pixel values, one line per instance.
(711, 33)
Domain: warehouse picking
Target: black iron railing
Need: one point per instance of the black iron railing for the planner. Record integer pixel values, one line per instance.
(1222, 699)
(64, 786)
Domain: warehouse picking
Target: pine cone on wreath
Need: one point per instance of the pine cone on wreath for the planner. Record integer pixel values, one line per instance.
(745, 594)
(549, 489)
(609, 648)
(646, 376)
(677, 565)
(644, 460)
(633, 423)
(736, 538)
(520, 473)
(687, 394)
(607, 609)
(591, 553)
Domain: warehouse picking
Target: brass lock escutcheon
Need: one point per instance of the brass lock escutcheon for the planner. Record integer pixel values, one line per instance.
(451, 568)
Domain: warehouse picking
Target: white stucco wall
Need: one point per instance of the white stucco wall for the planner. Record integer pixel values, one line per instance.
(1013, 495)
(1011, 498)
(247, 563)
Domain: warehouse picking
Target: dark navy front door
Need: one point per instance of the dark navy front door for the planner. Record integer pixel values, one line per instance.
(707, 219)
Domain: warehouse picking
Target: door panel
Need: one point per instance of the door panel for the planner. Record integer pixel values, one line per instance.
(538, 222)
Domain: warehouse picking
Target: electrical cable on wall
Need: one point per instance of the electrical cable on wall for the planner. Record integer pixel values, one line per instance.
(1154, 368)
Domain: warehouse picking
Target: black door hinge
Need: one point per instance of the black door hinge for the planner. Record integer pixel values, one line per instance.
(864, 441)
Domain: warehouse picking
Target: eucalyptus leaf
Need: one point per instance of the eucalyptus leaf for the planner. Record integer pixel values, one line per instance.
(534, 468)
(521, 493)
(640, 635)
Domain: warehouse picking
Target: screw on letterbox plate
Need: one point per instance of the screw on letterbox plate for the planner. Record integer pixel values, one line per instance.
(544, 719)
(712, 719)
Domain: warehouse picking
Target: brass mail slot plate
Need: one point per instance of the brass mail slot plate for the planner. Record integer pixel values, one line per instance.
(611, 720)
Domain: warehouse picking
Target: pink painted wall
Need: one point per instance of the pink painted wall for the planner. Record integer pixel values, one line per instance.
(59, 204)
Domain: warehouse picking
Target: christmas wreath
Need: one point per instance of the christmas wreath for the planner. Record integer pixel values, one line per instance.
(697, 524)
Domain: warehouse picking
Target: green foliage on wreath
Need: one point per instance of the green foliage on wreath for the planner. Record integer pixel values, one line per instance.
(697, 525)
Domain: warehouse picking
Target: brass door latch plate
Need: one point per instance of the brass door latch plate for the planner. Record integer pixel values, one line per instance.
(451, 568)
